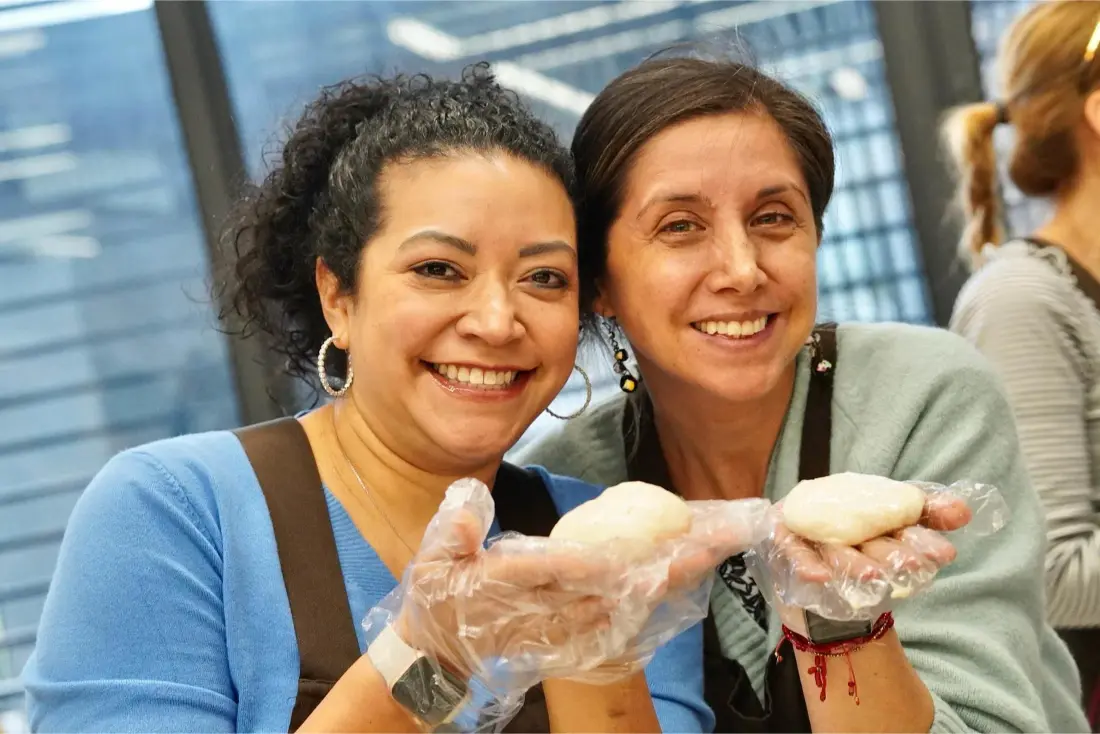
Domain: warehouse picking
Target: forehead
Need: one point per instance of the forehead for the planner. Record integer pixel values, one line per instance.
(720, 154)
(462, 187)
(464, 175)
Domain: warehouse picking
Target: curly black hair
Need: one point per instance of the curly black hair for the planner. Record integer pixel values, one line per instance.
(321, 200)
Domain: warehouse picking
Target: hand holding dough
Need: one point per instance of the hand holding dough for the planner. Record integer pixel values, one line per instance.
(631, 511)
(849, 508)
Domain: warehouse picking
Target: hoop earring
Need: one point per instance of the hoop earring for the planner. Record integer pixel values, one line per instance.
(587, 397)
(323, 376)
(627, 382)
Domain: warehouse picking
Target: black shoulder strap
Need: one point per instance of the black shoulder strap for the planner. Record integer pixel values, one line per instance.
(817, 423)
(523, 502)
(524, 505)
(327, 646)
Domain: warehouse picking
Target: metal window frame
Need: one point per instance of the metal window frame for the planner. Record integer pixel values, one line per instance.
(212, 138)
(932, 65)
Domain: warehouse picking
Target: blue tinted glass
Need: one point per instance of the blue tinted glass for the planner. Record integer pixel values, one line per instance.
(105, 331)
(559, 54)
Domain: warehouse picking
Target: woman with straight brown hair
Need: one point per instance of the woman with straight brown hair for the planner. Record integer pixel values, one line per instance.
(703, 185)
(1031, 307)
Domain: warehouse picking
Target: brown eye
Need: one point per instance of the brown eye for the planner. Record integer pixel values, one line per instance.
(548, 279)
(437, 270)
(772, 219)
(680, 226)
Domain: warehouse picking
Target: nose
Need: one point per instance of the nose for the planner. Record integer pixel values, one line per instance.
(736, 264)
(491, 316)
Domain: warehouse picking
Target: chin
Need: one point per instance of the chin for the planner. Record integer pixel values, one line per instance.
(476, 442)
(743, 385)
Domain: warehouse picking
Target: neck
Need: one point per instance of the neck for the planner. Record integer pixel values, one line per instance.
(719, 449)
(403, 493)
(1073, 224)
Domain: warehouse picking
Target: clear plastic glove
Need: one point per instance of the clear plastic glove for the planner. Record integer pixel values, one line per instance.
(860, 583)
(525, 609)
(719, 530)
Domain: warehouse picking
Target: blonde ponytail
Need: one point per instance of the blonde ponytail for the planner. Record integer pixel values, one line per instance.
(968, 136)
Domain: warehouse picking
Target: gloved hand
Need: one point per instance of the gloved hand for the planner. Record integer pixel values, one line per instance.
(860, 583)
(525, 609)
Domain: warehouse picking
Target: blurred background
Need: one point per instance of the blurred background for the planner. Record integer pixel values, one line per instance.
(127, 125)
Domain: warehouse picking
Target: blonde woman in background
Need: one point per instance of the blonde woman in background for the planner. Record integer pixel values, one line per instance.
(1031, 307)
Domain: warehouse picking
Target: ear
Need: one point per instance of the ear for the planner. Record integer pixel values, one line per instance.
(335, 304)
(1092, 112)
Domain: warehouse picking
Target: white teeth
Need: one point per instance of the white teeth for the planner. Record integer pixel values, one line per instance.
(736, 329)
(476, 375)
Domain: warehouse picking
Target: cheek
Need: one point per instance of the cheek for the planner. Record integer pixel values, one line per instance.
(643, 281)
(648, 296)
(397, 331)
(554, 328)
(805, 279)
(792, 271)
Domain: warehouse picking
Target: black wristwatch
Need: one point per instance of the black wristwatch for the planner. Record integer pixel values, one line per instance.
(418, 684)
(822, 631)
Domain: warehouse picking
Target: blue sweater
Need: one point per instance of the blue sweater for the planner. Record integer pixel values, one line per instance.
(168, 611)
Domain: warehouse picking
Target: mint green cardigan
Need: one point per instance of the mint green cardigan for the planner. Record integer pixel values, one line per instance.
(911, 403)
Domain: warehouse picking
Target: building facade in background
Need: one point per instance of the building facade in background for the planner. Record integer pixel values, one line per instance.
(107, 336)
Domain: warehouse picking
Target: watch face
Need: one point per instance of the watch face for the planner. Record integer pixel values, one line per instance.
(824, 631)
(431, 694)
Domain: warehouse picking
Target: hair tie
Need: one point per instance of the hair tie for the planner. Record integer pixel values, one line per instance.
(1002, 112)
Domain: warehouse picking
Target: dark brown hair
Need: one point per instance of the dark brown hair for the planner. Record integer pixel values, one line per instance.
(658, 94)
(1045, 77)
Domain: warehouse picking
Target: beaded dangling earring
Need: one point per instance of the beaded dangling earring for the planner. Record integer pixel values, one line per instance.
(627, 382)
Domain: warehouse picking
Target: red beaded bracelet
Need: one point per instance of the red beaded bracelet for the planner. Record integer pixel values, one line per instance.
(822, 652)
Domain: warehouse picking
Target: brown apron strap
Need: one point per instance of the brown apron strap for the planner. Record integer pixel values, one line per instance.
(327, 646)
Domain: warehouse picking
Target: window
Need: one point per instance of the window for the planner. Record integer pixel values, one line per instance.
(558, 54)
(869, 266)
(106, 340)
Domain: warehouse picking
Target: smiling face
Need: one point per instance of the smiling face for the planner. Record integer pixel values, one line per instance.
(711, 263)
(464, 325)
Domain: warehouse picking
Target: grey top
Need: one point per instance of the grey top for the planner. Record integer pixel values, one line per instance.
(1024, 311)
(914, 404)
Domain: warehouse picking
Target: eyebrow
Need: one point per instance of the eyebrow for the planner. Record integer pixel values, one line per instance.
(781, 189)
(696, 198)
(674, 199)
(541, 248)
(536, 248)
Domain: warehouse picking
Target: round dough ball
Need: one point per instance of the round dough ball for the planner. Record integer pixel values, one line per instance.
(631, 511)
(849, 509)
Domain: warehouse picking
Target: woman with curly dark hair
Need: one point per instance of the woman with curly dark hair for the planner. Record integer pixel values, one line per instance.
(416, 247)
